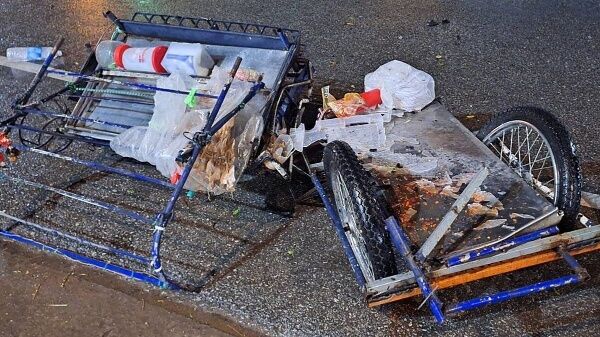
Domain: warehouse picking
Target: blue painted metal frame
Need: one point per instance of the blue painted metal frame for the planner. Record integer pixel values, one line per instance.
(339, 230)
(177, 28)
(503, 296)
(90, 201)
(199, 140)
(83, 139)
(519, 240)
(69, 117)
(89, 261)
(401, 242)
(100, 167)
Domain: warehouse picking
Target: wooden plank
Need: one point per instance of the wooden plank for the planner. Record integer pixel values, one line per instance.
(485, 272)
(33, 68)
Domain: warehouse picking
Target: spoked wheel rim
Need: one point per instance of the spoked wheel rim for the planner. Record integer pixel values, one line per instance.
(527, 152)
(349, 220)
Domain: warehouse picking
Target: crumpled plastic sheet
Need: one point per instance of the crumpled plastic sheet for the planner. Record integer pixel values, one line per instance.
(172, 120)
(402, 86)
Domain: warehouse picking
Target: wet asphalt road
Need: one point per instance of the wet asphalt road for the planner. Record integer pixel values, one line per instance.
(491, 55)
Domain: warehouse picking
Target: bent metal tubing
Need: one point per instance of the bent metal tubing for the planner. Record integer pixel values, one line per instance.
(200, 139)
(402, 244)
(129, 273)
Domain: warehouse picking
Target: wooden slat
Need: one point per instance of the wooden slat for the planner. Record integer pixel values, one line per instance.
(33, 68)
(485, 272)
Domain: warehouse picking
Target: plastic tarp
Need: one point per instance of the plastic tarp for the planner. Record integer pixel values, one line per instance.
(173, 123)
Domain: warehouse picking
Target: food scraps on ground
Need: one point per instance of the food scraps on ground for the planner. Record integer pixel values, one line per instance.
(491, 224)
(477, 209)
(426, 186)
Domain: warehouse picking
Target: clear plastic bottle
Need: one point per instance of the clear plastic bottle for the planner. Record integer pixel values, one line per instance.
(30, 53)
(105, 52)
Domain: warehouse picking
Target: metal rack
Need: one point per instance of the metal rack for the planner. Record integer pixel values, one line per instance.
(95, 87)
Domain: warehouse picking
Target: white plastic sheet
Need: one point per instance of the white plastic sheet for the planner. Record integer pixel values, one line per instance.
(402, 86)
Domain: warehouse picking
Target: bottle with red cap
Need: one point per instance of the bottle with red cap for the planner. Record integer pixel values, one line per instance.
(140, 59)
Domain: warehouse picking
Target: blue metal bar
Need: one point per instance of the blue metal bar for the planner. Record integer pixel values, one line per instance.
(221, 122)
(89, 261)
(284, 39)
(90, 120)
(104, 98)
(61, 135)
(162, 219)
(198, 35)
(339, 229)
(127, 84)
(215, 111)
(573, 264)
(81, 198)
(118, 252)
(519, 240)
(402, 244)
(514, 293)
(100, 167)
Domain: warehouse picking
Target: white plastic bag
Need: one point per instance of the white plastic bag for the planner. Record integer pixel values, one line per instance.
(402, 86)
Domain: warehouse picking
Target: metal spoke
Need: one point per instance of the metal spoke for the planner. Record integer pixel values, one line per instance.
(540, 161)
(502, 143)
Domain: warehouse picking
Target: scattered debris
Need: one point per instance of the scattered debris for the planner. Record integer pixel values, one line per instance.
(477, 209)
(443, 181)
(483, 196)
(407, 215)
(426, 186)
(590, 200)
(512, 228)
(491, 224)
(190, 194)
(514, 216)
(236, 211)
(64, 281)
(462, 179)
(449, 191)
(37, 289)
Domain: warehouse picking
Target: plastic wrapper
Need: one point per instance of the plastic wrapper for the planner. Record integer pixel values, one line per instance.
(352, 104)
(402, 86)
(223, 160)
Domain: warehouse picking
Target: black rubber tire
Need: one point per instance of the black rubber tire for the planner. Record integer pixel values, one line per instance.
(563, 148)
(369, 206)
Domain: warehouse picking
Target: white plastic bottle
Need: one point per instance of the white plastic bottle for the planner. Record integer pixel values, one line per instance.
(30, 53)
(140, 59)
(189, 58)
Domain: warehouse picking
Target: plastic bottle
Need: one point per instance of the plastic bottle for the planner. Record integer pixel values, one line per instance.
(105, 52)
(140, 59)
(189, 58)
(30, 53)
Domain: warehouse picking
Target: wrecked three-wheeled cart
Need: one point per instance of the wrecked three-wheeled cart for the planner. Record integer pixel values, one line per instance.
(428, 206)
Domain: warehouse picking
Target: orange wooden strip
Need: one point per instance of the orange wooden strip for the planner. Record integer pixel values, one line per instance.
(485, 272)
